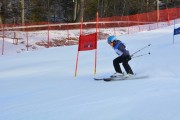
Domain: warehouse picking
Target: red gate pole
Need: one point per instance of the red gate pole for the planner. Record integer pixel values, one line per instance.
(97, 22)
(76, 64)
(77, 58)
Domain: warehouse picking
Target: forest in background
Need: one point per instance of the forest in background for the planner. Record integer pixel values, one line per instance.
(30, 11)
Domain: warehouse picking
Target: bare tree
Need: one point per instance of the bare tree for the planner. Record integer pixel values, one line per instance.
(22, 12)
(0, 13)
(80, 10)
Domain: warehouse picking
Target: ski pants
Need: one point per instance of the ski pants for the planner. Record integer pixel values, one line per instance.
(124, 60)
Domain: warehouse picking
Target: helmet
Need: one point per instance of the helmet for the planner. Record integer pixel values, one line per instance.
(111, 39)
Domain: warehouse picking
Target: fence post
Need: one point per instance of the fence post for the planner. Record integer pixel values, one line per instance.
(3, 39)
(27, 38)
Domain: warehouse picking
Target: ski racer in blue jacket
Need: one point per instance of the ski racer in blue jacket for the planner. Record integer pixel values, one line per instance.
(123, 56)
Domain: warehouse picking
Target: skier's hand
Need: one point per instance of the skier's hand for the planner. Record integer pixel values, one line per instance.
(128, 58)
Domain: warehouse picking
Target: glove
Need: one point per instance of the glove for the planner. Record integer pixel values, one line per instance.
(128, 57)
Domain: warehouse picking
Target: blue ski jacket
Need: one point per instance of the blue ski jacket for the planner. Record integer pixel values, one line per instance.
(120, 48)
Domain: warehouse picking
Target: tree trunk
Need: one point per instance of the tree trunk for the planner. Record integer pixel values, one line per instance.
(75, 10)
(80, 11)
(0, 13)
(0, 19)
(22, 12)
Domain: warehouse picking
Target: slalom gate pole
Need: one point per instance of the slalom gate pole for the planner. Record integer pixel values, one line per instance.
(140, 50)
(141, 55)
(75, 74)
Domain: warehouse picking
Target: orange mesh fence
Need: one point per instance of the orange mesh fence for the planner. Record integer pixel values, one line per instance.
(144, 18)
(115, 21)
(173, 13)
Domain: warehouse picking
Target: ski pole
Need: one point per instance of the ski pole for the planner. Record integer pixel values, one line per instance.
(140, 49)
(141, 55)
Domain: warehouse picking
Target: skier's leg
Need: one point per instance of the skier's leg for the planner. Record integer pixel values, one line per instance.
(116, 63)
(127, 67)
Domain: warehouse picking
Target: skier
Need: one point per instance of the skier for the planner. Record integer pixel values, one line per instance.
(123, 57)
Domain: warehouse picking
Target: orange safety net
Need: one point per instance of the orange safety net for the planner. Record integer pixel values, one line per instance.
(115, 21)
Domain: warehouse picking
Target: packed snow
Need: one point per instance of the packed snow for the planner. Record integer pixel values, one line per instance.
(40, 85)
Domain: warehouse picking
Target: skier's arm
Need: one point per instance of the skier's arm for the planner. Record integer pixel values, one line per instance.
(122, 48)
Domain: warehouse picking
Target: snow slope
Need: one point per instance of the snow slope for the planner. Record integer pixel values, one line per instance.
(40, 85)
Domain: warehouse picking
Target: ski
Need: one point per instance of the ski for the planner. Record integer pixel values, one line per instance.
(99, 78)
(125, 78)
(121, 78)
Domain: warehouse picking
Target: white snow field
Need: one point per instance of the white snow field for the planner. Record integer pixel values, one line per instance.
(40, 85)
